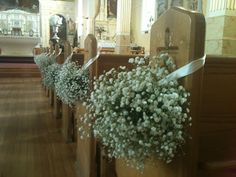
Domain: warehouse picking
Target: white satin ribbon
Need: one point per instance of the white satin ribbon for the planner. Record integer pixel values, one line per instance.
(185, 70)
(69, 57)
(59, 53)
(90, 61)
(50, 55)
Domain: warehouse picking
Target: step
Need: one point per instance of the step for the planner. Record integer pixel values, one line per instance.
(19, 70)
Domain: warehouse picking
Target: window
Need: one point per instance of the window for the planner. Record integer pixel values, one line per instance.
(148, 14)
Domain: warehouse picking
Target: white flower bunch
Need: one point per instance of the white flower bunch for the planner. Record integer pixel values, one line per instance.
(51, 74)
(72, 84)
(43, 61)
(40, 59)
(135, 116)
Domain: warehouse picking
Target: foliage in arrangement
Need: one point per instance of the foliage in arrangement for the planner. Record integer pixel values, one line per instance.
(51, 73)
(38, 59)
(43, 61)
(48, 67)
(72, 84)
(135, 116)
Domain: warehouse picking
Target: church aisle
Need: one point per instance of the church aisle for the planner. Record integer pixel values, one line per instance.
(31, 144)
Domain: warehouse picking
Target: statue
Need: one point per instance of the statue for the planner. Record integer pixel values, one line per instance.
(71, 26)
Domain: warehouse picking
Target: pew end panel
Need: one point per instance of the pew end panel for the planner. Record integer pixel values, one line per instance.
(89, 149)
(65, 110)
(68, 119)
(57, 106)
(184, 43)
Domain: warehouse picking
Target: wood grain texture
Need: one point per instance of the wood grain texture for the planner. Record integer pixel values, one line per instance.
(217, 124)
(30, 141)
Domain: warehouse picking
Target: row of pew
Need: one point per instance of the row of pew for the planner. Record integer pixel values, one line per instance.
(211, 151)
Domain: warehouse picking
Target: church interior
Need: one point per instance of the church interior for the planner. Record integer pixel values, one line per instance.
(117, 88)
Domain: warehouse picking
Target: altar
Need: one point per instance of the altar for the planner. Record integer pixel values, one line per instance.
(19, 32)
(18, 45)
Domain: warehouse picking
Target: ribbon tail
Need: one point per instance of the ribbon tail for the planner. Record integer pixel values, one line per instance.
(185, 70)
(91, 61)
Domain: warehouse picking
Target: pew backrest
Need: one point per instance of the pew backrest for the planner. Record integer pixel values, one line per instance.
(181, 33)
(217, 124)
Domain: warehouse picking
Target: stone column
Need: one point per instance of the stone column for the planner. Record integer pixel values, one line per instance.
(220, 28)
(123, 26)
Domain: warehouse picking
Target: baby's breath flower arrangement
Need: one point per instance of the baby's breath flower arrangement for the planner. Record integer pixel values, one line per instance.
(38, 58)
(72, 84)
(50, 75)
(43, 61)
(135, 116)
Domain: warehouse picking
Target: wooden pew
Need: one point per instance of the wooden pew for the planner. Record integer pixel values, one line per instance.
(185, 43)
(66, 111)
(212, 150)
(69, 129)
(51, 91)
(57, 103)
(49, 51)
(217, 124)
(52, 95)
(90, 161)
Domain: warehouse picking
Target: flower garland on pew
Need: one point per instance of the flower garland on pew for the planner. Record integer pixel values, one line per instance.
(139, 114)
(50, 76)
(51, 71)
(73, 82)
(43, 61)
(40, 60)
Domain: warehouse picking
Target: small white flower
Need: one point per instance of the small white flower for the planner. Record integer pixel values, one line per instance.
(132, 113)
(131, 60)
